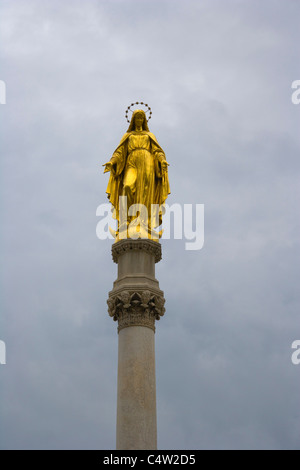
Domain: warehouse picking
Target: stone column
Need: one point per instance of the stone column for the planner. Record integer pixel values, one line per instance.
(136, 302)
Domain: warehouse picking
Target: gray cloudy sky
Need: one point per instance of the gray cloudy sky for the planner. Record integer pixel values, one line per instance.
(218, 77)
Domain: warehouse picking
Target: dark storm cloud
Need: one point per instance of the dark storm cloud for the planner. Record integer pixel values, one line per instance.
(218, 78)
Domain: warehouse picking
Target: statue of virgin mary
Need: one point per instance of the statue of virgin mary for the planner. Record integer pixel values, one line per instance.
(139, 171)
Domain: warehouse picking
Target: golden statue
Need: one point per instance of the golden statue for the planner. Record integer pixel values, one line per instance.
(139, 171)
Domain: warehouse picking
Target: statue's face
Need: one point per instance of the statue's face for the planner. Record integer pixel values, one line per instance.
(138, 120)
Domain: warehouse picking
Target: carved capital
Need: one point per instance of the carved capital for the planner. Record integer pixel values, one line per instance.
(136, 308)
(148, 246)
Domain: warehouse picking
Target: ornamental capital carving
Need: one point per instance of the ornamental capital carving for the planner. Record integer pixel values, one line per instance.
(145, 245)
(136, 308)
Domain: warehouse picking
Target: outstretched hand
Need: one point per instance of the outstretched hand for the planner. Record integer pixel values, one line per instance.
(108, 167)
(164, 166)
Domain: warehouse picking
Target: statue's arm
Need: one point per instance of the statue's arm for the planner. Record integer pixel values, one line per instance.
(162, 164)
(117, 161)
(112, 165)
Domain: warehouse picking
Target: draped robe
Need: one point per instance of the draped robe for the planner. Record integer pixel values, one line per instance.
(137, 173)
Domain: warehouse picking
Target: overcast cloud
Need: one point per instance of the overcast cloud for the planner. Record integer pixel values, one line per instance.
(217, 75)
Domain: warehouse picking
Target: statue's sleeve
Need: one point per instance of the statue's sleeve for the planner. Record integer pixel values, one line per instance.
(157, 151)
(162, 187)
(118, 159)
(159, 156)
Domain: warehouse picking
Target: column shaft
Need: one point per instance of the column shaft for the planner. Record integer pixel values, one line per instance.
(136, 406)
(135, 302)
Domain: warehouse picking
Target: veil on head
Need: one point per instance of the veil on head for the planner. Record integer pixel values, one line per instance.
(132, 123)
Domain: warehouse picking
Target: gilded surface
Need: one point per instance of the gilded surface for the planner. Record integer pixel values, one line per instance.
(138, 170)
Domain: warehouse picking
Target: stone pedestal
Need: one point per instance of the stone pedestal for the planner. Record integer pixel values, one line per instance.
(136, 302)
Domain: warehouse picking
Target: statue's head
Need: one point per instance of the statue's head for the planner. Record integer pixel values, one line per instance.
(138, 118)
